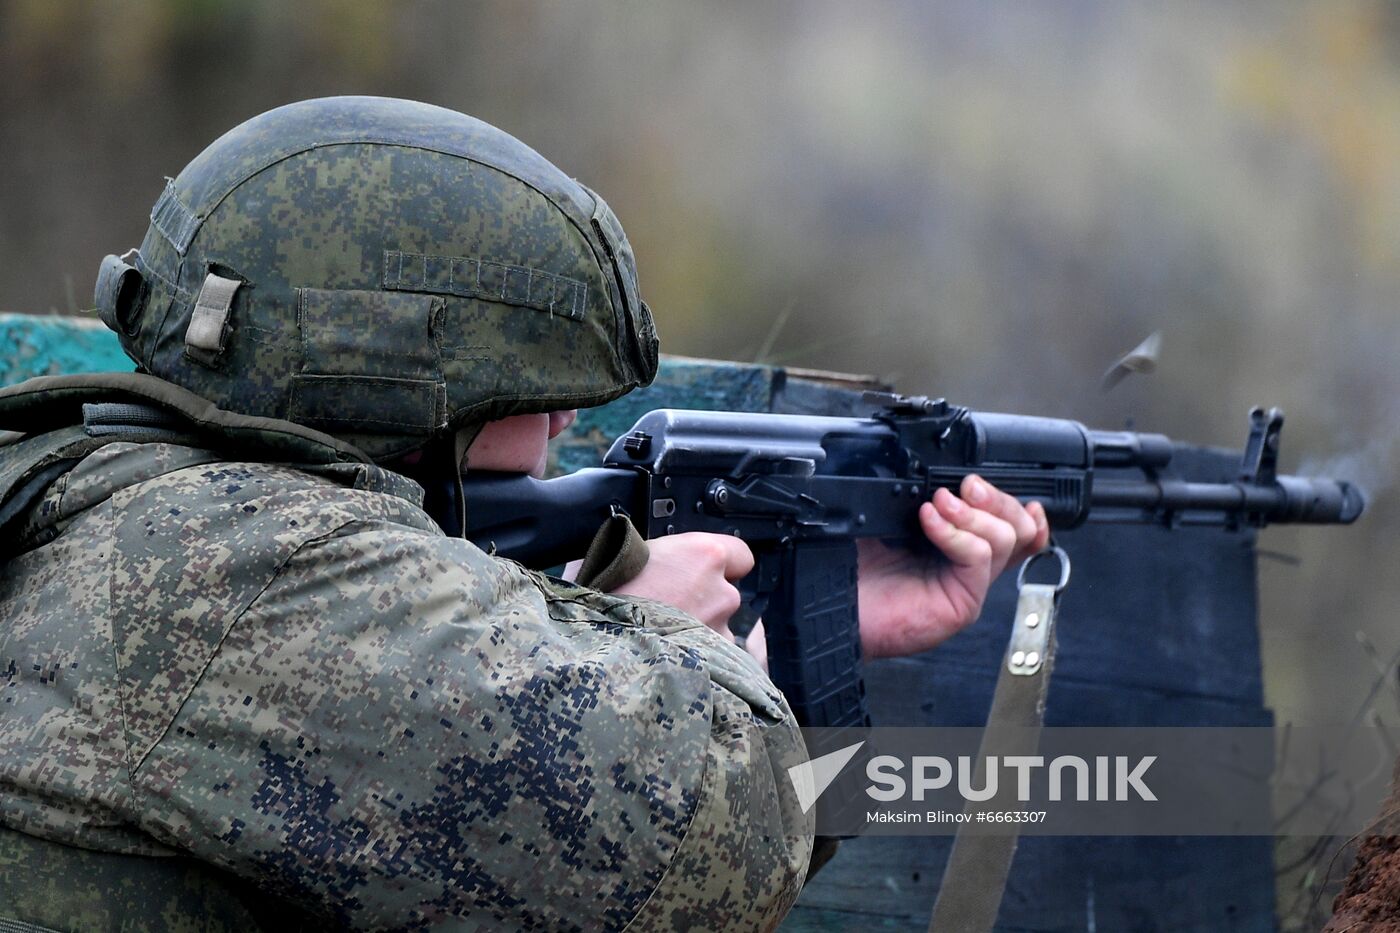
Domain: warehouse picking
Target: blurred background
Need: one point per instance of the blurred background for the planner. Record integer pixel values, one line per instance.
(990, 202)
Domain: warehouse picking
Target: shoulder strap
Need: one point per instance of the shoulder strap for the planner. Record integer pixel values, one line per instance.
(29, 466)
(38, 404)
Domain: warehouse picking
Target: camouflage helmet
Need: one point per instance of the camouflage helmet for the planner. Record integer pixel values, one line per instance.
(382, 270)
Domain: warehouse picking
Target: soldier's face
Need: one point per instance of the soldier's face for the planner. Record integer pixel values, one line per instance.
(518, 444)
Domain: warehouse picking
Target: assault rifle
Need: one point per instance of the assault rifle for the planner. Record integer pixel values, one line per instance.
(800, 489)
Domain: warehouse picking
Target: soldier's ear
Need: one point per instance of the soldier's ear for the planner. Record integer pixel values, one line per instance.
(120, 295)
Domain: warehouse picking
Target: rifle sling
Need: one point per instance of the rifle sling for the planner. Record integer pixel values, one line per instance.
(975, 878)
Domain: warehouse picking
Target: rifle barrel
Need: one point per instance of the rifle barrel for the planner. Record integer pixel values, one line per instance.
(1289, 499)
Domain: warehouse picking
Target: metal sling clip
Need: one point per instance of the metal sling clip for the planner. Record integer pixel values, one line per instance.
(1035, 616)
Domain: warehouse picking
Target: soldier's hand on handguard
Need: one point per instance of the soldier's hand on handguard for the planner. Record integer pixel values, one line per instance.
(910, 602)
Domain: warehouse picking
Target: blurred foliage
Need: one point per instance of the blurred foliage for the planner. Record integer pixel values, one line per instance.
(988, 201)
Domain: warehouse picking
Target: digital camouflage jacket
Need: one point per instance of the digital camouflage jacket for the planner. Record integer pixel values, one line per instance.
(238, 693)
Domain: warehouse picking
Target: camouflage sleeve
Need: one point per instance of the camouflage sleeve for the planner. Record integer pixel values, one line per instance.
(401, 731)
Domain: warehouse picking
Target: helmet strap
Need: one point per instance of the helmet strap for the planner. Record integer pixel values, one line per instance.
(461, 442)
(439, 472)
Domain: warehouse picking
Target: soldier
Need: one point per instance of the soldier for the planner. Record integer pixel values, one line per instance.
(253, 677)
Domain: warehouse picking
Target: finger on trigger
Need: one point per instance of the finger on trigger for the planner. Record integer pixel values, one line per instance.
(739, 559)
(756, 644)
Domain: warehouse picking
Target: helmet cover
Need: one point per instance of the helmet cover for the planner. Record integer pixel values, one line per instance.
(382, 270)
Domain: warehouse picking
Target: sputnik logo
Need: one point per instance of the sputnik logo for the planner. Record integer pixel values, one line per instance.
(811, 778)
